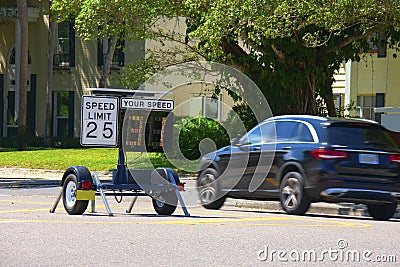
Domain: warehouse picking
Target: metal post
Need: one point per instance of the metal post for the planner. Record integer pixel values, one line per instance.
(93, 204)
(132, 204)
(57, 201)
(101, 190)
(178, 194)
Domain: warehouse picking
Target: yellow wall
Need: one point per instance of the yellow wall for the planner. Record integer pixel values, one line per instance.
(378, 75)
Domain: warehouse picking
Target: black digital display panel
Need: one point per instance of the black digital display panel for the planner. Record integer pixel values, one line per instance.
(150, 131)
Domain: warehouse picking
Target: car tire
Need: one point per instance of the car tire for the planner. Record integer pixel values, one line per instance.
(382, 212)
(209, 193)
(293, 198)
(71, 205)
(165, 203)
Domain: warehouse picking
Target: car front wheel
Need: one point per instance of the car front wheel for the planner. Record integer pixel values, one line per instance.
(209, 193)
(382, 212)
(293, 198)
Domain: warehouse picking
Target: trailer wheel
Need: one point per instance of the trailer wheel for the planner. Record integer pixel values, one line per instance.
(165, 203)
(71, 205)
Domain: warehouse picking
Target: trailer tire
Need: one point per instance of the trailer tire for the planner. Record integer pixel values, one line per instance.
(165, 203)
(71, 205)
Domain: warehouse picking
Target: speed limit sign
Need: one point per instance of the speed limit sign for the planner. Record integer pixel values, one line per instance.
(99, 121)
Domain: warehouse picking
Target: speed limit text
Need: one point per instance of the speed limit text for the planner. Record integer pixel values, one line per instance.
(99, 110)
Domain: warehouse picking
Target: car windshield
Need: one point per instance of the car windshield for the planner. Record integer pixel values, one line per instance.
(361, 136)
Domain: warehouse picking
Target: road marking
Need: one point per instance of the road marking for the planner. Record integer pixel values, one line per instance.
(25, 202)
(23, 210)
(268, 221)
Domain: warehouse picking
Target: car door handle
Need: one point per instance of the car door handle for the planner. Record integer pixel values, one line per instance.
(257, 148)
(287, 148)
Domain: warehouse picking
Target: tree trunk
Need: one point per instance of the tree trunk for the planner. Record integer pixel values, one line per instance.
(22, 111)
(112, 43)
(330, 104)
(49, 88)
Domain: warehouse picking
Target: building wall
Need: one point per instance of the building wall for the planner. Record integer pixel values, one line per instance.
(373, 75)
(85, 74)
(38, 44)
(7, 35)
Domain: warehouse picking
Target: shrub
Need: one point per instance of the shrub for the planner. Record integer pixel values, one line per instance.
(190, 132)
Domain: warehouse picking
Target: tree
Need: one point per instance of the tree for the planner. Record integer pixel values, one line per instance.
(290, 48)
(49, 87)
(22, 111)
(96, 19)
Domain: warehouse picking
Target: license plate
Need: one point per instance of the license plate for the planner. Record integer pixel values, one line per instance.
(368, 158)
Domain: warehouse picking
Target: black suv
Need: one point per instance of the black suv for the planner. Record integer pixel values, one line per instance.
(302, 159)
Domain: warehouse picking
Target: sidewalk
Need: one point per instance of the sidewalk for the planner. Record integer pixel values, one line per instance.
(17, 176)
(316, 208)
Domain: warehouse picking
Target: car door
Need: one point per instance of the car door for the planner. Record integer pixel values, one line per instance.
(247, 158)
(235, 162)
(275, 153)
(261, 158)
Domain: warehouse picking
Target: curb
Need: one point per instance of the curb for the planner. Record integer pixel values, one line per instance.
(347, 209)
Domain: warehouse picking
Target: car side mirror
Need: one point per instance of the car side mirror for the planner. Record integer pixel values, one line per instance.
(235, 142)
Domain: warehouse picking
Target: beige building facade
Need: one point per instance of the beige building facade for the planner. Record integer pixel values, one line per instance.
(372, 82)
(77, 65)
(372, 86)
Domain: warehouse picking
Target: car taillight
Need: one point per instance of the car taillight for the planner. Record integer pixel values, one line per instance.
(86, 185)
(327, 154)
(395, 158)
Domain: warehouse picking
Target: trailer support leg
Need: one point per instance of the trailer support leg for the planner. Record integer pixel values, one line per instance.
(103, 195)
(129, 210)
(185, 210)
(52, 210)
(93, 205)
(178, 194)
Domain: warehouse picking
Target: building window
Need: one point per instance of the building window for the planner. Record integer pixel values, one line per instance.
(63, 106)
(378, 44)
(118, 60)
(64, 55)
(12, 57)
(366, 106)
(337, 100)
(205, 106)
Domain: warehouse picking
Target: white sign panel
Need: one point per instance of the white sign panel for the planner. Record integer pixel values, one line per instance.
(99, 121)
(150, 104)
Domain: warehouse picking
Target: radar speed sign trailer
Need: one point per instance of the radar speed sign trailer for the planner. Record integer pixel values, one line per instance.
(149, 126)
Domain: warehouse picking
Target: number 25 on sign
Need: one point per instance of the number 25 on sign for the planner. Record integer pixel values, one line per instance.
(99, 121)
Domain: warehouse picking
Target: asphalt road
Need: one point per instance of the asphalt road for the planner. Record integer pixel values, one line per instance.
(31, 236)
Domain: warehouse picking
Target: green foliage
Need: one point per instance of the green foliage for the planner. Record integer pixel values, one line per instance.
(190, 132)
(289, 48)
(240, 113)
(343, 112)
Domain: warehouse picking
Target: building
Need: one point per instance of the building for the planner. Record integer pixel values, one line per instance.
(372, 83)
(77, 65)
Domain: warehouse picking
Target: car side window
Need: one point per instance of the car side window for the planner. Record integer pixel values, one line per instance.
(286, 131)
(268, 132)
(305, 134)
(253, 137)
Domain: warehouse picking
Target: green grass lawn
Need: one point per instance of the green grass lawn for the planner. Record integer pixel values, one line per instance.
(95, 159)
